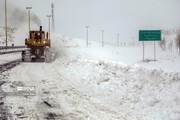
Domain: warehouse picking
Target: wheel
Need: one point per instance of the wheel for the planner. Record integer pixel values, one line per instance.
(26, 56)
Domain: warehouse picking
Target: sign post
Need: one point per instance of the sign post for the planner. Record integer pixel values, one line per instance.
(117, 40)
(150, 35)
(143, 50)
(154, 50)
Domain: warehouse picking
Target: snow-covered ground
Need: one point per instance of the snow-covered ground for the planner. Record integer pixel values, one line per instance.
(67, 100)
(98, 84)
(9, 57)
(127, 54)
(119, 78)
(129, 89)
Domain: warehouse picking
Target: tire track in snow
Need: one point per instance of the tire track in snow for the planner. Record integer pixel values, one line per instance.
(81, 106)
(4, 112)
(67, 101)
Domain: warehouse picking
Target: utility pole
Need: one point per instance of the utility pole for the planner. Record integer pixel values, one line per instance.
(49, 16)
(6, 22)
(118, 40)
(102, 38)
(87, 27)
(53, 26)
(29, 15)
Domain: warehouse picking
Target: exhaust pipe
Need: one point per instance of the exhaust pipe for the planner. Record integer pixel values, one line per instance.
(40, 28)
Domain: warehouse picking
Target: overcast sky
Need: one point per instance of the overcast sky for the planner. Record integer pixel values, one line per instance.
(125, 17)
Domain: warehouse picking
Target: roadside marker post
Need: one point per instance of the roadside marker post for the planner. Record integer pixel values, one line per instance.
(102, 38)
(150, 35)
(117, 40)
(87, 27)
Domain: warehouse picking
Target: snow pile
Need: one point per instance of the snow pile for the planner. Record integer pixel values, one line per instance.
(147, 89)
(128, 55)
(129, 89)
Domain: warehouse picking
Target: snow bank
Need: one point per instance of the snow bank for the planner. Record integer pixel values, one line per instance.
(129, 89)
(118, 77)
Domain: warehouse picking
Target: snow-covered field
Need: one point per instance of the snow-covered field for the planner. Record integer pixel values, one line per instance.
(97, 84)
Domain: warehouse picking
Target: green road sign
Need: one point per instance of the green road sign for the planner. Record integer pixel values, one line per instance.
(149, 35)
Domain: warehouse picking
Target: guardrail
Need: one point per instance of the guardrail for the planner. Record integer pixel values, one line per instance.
(8, 52)
(10, 47)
